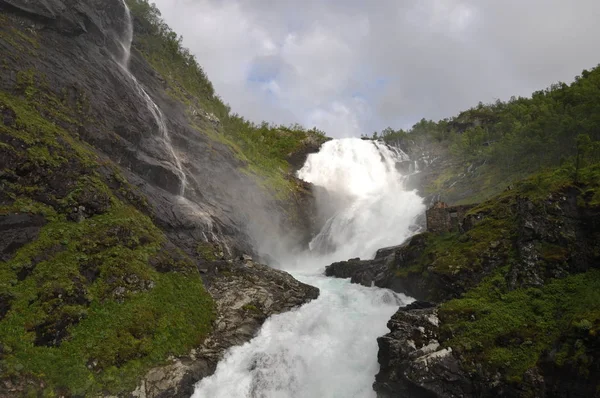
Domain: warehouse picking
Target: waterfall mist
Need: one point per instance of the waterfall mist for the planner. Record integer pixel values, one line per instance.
(365, 194)
(328, 347)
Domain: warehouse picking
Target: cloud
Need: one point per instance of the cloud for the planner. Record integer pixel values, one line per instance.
(349, 66)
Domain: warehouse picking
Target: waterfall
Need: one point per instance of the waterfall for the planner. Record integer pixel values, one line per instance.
(126, 42)
(328, 347)
(373, 208)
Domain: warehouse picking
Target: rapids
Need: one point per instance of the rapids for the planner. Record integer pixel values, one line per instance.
(328, 347)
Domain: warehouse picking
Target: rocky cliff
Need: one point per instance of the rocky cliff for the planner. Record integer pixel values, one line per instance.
(125, 204)
(512, 305)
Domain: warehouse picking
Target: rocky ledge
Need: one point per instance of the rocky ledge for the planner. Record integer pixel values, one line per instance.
(413, 364)
(246, 294)
(514, 298)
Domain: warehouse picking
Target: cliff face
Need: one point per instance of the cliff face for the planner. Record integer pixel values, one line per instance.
(512, 297)
(67, 54)
(116, 197)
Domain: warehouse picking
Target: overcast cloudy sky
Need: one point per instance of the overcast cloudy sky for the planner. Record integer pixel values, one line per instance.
(354, 66)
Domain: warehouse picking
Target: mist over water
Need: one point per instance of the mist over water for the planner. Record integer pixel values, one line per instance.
(371, 209)
(328, 348)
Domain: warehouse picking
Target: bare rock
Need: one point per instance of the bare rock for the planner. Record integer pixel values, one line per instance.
(413, 363)
(246, 295)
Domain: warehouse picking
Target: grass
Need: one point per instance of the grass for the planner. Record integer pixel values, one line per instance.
(263, 147)
(497, 326)
(94, 302)
(510, 331)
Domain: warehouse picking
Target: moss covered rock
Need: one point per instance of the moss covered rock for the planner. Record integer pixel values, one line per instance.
(99, 254)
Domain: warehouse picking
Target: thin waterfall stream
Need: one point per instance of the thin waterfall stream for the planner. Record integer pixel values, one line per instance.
(328, 348)
(157, 114)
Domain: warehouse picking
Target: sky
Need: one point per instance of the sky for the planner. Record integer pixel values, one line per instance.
(351, 67)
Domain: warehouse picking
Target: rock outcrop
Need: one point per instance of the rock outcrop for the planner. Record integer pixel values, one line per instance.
(412, 361)
(115, 230)
(246, 294)
(513, 313)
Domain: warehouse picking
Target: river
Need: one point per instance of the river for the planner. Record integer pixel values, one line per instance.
(328, 347)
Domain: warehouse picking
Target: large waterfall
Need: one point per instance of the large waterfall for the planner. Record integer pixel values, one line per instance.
(371, 208)
(328, 348)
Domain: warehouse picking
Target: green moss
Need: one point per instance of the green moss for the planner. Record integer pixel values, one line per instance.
(510, 331)
(54, 143)
(21, 39)
(27, 205)
(251, 308)
(553, 253)
(493, 328)
(207, 251)
(123, 316)
(454, 253)
(93, 303)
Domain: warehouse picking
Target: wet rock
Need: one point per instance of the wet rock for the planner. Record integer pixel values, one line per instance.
(412, 361)
(311, 144)
(5, 304)
(235, 288)
(345, 269)
(16, 230)
(382, 270)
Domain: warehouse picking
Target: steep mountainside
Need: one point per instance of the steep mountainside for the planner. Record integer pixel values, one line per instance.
(510, 289)
(512, 306)
(123, 178)
(478, 153)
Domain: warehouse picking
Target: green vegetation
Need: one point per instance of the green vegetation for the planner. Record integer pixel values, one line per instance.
(498, 325)
(265, 147)
(504, 142)
(495, 222)
(96, 299)
(511, 331)
(24, 41)
(251, 308)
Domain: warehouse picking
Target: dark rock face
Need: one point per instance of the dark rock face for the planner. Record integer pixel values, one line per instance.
(246, 293)
(381, 271)
(16, 230)
(542, 240)
(443, 218)
(65, 55)
(345, 269)
(555, 240)
(79, 46)
(309, 145)
(412, 362)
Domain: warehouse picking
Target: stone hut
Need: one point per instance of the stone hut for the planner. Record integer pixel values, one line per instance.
(442, 218)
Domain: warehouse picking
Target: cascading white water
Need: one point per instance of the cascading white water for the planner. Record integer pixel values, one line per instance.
(327, 348)
(374, 209)
(157, 114)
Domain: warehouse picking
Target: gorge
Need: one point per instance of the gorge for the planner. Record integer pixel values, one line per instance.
(328, 347)
(155, 244)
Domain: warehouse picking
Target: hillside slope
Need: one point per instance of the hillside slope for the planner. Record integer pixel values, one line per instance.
(478, 153)
(510, 302)
(110, 219)
(509, 293)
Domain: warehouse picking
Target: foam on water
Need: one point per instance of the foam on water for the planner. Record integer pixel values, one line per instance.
(328, 347)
